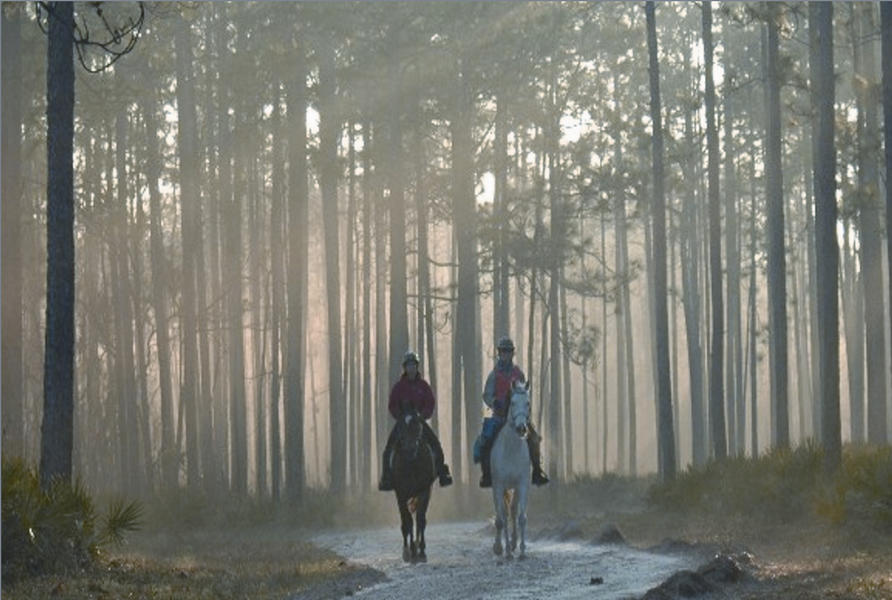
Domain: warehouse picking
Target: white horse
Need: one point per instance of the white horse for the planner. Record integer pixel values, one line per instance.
(510, 463)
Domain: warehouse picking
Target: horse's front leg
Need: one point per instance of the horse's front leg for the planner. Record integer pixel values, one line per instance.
(406, 519)
(421, 524)
(499, 504)
(521, 497)
(514, 520)
(506, 507)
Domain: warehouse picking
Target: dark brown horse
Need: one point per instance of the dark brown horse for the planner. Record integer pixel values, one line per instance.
(413, 475)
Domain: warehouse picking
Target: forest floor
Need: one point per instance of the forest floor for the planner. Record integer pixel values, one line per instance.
(261, 552)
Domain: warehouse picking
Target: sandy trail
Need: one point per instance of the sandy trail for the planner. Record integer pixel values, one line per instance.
(461, 565)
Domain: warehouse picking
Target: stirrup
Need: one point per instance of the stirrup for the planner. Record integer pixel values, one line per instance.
(445, 477)
(539, 477)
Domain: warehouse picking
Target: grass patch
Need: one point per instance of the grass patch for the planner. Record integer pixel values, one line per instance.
(787, 485)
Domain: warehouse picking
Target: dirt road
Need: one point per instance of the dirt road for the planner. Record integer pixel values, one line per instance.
(461, 565)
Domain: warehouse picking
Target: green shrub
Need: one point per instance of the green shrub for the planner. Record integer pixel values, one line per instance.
(786, 484)
(56, 529)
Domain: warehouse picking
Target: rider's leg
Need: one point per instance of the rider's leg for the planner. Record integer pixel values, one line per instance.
(386, 483)
(442, 469)
(533, 443)
(486, 479)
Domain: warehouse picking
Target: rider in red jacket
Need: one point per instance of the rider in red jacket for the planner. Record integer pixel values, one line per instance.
(495, 395)
(410, 393)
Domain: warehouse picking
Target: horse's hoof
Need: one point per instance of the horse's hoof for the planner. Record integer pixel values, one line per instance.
(407, 556)
(421, 558)
(497, 549)
(522, 556)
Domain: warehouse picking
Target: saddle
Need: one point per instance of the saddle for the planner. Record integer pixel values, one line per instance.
(491, 427)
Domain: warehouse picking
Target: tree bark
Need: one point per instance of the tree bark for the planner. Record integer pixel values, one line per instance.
(58, 384)
(278, 292)
(329, 131)
(298, 198)
(777, 284)
(12, 367)
(716, 351)
(886, 45)
(666, 436)
(820, 17)
(870, 223)
(189, 198)
(465, 224)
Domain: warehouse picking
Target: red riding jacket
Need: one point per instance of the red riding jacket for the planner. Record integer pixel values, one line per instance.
(414, 393)
(499, 385)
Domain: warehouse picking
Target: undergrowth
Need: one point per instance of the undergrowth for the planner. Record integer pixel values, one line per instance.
(57, 529)
(787, 485)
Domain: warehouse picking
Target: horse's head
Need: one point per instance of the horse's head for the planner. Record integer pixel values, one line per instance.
(519, 410)
(410, 436)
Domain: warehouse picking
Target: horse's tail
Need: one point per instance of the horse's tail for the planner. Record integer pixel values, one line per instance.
(508, 498)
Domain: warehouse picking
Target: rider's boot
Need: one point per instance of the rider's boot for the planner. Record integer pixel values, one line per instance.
(486, 479)
(444, 475)
(386, 482)
(533, 440)
(437, 449)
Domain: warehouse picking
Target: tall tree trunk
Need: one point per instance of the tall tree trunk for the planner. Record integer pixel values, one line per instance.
(820, 25)
(673, 321)
(567, 427)
(555, 400)
(329, 131)
(189, 198)
(367, 223)
(751, 318)
(886, 66)
(886, 53)
(382, 370)
(258, 330)
(350, 385)
(622, 365)
(58, 381)
(465, 223)
(298, 235)
(501, 289)
(734, 380)
(604, 427)
(276, 242)
(626, 354)
(128, 428)
(811, 289)
(777, 284)
(870, 225)
(853, 316)
(666, 436)
(717, 347)
(752, 352)
(457, 409)
(233, 297)
(214, 384)
(425, 301)
(800, 332)
(12, 368)
(690, 269)
(399, 324)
